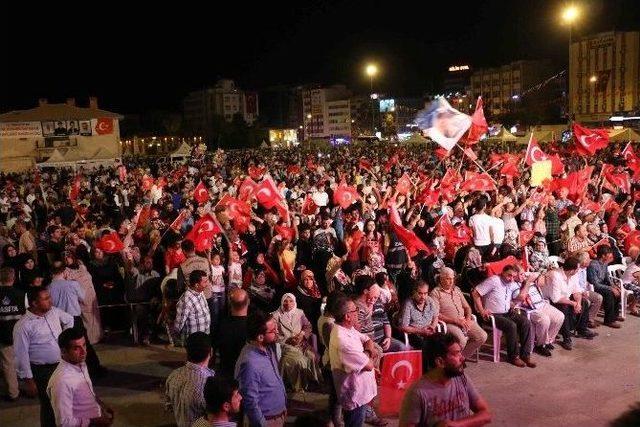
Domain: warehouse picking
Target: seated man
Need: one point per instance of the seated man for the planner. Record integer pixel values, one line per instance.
(545, 318)
(456, 313)
(593, 298)
(494, 297)
(598, 276)
(564, 293)
(419, 315)
(579, 242)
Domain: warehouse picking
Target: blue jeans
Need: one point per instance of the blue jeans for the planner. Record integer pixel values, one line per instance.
(355, 417)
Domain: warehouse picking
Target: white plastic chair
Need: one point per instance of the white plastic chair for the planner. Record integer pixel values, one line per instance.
(497, 337)
(616, 271)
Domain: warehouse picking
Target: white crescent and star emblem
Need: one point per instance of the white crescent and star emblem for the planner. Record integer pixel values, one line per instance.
(206, 226)
(537, 155)
(202, 193)
(109, 245)
(266, 191)
(402, 384)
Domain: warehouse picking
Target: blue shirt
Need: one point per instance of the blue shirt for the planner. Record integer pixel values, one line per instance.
(598, 275)
(66, 295)
(261, 386)
(35, 339)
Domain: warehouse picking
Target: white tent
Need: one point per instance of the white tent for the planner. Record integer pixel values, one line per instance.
(102, 154)
(183, 151)
(416, 138)
(56, 160)
(503, 136)
(623, 135)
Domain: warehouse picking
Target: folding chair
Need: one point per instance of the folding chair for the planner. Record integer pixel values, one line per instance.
(616, 271)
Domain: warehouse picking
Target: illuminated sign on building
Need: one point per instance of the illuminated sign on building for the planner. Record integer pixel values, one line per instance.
(387, 105)
(454, 68)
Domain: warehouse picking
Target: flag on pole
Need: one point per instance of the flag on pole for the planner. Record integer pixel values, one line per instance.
(534, 152)
(588, 141)
(479, 124)
(442, 123)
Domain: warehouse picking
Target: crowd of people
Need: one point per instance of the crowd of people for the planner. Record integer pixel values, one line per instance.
(290, 270)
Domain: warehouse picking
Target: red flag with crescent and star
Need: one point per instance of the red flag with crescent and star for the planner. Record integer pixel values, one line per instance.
(534, 152)
(345, 196)
(104, 126)
(203, 232)
(110, 243)
(201, 193)
(267, 193)
(588, 141)
(399, 370)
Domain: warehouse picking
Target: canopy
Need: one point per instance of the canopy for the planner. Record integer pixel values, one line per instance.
(416, 138)
(503, 136)
(183, 151)
(103, 153)
(623, 135)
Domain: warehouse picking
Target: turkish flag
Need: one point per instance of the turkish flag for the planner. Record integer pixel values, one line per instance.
(479, 125)
(234, 207)
(177, 223)
(429, 197)
(588, 141)
(345, 196)
(404, 184)
(557, 167)
(618, 181)
(480, 182)
(632, 239)
(201, 193)
(610, 205)
(143, 216)
(256, 172)
(309, 207)
(364, 164)
(494, 268)
(247, 188)
(203, 232)
(267, 193)
(510, 170)
(284, 231)
(524, 261)
(591, 205)
(399, 371)
(534, 152)
(104, 126)
(389, 163)
(409, 239)
(283, 211)
(451, 178)
(241, 223)
(311, 165)
(455, 235)
(110, 243)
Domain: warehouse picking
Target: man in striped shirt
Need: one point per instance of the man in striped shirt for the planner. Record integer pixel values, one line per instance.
(192, 311)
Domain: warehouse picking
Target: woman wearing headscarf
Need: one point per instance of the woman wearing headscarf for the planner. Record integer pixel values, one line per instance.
(77, 271)
(11, 258)
(299, 363)
(308, 297)
(539, 256)
(109, 287)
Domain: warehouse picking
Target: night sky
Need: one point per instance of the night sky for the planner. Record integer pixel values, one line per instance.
(135, 60)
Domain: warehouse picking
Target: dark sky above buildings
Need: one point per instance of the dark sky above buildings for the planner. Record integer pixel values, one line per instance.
(149, 57)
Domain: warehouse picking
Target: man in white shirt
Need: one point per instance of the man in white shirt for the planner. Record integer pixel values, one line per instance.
(351, 365)
(70, 389)
(480, 223)
(563, 291)
(320, 197)
(494, 297)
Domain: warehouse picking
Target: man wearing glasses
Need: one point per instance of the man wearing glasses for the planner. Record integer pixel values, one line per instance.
(264, 399)
(351, 365)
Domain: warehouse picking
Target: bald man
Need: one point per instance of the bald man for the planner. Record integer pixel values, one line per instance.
(231, 336)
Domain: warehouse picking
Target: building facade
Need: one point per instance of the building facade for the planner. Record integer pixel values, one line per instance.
(326, 112)
(501, 87)
(604, 76)
(75, 134)
(224, 100)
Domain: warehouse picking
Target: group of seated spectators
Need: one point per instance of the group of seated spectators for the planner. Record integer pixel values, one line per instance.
(105, 251)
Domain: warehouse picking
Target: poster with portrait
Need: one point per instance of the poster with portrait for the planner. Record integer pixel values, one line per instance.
(48, 128)
(60, 128)
(73, 128)
(85, 127)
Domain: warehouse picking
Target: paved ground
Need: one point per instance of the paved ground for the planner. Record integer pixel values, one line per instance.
(588, 386)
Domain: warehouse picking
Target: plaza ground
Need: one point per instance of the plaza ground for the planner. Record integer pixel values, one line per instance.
(588, 386)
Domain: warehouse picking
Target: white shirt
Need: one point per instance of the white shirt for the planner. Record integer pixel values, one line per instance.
(558, 285)
(72, 398)
(496, 294)
(320, 198)
(497, 228)
(480, 224)
(354, 386)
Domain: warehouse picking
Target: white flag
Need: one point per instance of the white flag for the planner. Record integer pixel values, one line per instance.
(443, 123)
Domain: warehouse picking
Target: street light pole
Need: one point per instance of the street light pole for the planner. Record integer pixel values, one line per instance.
(371, 71)
(569, 16)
